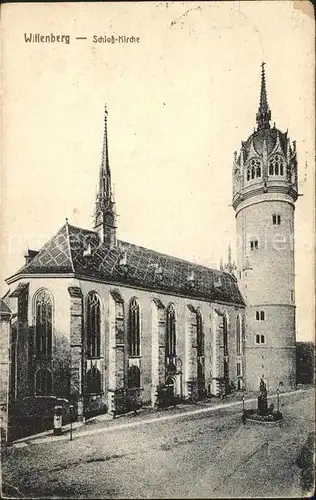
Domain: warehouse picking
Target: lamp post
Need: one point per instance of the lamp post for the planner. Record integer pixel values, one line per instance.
(243, 418)
(71, 409)
(179, 369)
(278, 399)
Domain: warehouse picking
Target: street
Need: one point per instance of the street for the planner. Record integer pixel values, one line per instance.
(207, 455)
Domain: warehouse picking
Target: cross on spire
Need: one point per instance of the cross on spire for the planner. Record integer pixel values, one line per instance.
(263, 116)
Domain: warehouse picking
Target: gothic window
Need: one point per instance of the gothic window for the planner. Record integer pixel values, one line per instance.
(253, 169)
(238, 336)
(133, 377)
(276, 165)
(93, 381)
(134, 328)
(43, 382)
(43, 324)
(171, 332)
(93, 326)
(199, 333)
(238, 369)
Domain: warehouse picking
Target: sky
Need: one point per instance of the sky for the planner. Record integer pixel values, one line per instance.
(179, 103)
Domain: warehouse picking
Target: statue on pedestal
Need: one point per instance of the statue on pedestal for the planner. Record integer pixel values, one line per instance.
(262, 398)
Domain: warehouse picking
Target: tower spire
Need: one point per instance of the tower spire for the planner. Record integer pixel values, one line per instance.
(229, 261)
(263, 116)
(230, 266)
(105, 173)
(105, 220)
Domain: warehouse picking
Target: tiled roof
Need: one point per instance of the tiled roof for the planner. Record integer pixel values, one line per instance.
(79, 251)
(4, 309)
(54, 256)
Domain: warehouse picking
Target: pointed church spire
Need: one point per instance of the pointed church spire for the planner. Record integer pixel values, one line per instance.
(105, 220)
(263, 116)
(229, 261)
(105, 173)
(230, 266)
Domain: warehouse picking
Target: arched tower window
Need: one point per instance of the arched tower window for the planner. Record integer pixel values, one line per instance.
(253, 169)
(134, 328)
(199, 333)
(276, 165)
(171, 332)
(43, 382)
(93, 326)
(43, 324)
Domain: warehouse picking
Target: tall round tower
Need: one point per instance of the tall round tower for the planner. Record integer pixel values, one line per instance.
(264, 193)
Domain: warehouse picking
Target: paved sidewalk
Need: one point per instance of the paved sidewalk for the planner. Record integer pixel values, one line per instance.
(106, 423)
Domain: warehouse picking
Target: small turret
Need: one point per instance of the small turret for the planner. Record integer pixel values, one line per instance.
(229, 266)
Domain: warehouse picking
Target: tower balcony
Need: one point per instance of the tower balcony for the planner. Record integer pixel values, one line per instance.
(268, 187)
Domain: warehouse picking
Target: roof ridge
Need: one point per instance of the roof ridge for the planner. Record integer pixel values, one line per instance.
(172, 256)
(151, 250)
(81, 228)
(69, 246)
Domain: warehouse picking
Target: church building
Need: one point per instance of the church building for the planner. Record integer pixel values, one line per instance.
(99, 320)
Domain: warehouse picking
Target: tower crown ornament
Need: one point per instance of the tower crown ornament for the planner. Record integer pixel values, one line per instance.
(267, 161)
(263, 116)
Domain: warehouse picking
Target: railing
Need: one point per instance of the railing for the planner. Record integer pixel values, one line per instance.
(126, 400)
(196, 390)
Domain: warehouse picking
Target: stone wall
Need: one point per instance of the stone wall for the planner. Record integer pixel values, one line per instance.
(267, 281)
(69, 303)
